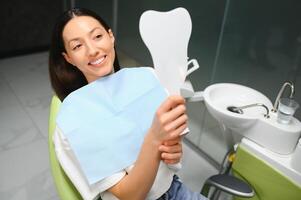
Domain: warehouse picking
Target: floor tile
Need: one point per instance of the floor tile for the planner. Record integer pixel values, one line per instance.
(195, 169)
(28, 79)
(213, 143)
(16, 67)
(16, 127)
(24, 171)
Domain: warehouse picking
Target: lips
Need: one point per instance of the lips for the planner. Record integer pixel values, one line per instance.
(98, 61)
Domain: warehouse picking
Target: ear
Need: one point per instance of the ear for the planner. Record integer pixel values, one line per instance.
(67, 58)
(111, 36)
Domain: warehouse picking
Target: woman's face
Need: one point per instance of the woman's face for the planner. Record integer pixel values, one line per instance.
(89, 47)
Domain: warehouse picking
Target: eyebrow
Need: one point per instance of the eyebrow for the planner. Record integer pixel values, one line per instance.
(90, 32)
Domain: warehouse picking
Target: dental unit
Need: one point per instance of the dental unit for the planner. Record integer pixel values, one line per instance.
(268, 136)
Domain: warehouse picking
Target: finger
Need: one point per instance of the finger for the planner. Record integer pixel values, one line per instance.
(173, 114)
(172, 142)
(171, 102)
(176, 112)
(171, 156)
(177, 133)
(177, 122)
(171, 149)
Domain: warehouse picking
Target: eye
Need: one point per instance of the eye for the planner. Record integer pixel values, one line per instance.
(98, 36)
(76, 47)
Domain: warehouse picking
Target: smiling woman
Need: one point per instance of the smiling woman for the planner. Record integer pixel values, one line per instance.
(89, 47)
(104, 154)
(82, 49)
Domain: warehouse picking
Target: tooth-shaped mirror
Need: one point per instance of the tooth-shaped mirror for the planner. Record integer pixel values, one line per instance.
(166, 35)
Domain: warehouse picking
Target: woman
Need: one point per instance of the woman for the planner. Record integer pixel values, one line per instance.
(81, 52)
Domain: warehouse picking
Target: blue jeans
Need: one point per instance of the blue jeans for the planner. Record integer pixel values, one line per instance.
(178, 191)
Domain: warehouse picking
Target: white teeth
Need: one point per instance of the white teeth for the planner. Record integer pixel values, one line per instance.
(98, 61)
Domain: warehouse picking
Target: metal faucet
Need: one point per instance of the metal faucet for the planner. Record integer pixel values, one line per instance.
(287, 83)
(239, 110)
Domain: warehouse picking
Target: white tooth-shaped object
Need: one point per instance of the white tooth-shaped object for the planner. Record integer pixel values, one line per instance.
(166, 35)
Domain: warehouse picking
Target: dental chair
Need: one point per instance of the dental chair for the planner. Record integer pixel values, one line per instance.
(64, 186)
(67, 191)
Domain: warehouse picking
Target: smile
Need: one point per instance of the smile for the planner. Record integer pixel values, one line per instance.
(98, 61)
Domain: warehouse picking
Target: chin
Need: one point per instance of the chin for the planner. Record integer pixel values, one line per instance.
(106, 71)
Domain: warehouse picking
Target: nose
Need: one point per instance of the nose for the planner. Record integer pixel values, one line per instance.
(91, 49)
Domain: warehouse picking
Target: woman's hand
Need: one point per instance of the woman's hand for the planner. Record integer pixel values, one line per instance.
(170, 120)
(171, 151)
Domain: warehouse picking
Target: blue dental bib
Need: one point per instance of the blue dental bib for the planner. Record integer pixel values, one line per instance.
(105, 121)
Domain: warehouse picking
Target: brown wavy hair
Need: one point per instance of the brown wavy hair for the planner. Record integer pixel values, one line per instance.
(64, 77)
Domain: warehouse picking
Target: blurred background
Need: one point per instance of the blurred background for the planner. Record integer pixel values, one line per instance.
(256, 43)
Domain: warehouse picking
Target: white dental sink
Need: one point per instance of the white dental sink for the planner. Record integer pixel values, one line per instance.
(252, 123)
(218, 97)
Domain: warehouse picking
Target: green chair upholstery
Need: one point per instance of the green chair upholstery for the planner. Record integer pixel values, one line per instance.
(64, 186)
(269, 183)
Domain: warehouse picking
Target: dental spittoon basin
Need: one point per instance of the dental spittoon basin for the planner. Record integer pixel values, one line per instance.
(253, 123)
